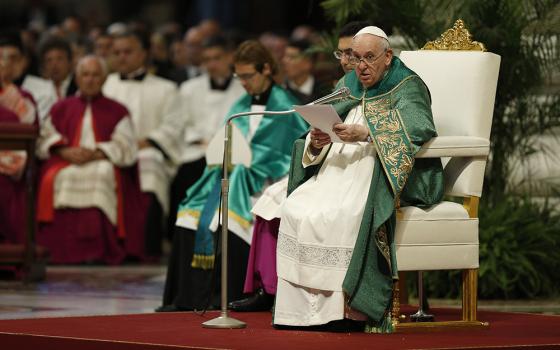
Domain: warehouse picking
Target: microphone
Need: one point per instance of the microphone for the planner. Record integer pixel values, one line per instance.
(339, 94)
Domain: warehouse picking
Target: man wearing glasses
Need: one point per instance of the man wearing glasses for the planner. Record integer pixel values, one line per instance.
(189, 275)
(335, 257)
(343, 51)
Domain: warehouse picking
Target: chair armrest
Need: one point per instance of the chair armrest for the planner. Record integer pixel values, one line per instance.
(454, 146)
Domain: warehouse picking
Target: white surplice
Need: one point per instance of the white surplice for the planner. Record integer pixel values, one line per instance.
(189, 221)
(155, 109)
(92, 184)
(319, 226)
(270, 203)
(43, 92)
(204, 110)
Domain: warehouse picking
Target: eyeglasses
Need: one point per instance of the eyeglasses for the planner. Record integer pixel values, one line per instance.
(246, 76)
(339, 54)
(369, 59)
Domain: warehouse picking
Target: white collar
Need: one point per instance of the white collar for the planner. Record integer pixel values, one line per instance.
(306, 88)
(64, 86)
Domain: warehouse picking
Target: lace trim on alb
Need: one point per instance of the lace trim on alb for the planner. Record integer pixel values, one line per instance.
(314, 255)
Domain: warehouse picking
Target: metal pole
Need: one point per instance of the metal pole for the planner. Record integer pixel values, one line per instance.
(224, 321)
(420, 315)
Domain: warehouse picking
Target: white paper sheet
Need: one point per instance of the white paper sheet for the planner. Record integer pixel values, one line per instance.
(321, 117)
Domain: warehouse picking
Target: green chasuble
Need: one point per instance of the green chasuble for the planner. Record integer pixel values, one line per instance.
(399, 117)
(271, 146)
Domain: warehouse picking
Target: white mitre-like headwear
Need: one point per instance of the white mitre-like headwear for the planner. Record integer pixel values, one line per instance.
(373, 30)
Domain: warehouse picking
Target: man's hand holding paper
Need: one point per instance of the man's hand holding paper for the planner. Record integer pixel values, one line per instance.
(321, 117)
(350, 132)
(319, 139)
(328, 127)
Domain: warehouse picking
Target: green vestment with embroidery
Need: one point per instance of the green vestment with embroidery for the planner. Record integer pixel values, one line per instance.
(270, 145)
(399, 117)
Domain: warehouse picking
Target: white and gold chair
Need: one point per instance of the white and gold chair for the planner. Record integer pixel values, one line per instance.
(462, 80)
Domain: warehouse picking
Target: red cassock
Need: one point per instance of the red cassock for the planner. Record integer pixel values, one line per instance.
(12, 197)
(12, 188)
(73, 234)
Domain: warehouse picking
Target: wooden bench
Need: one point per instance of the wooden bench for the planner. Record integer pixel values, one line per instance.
(27, 257)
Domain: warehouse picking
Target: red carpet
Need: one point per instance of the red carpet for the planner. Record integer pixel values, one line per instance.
(183, 331)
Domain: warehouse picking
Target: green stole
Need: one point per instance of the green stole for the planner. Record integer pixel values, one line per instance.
(270, 146)
(398, 114)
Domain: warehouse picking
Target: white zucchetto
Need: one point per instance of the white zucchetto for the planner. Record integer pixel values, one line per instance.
(373, 30)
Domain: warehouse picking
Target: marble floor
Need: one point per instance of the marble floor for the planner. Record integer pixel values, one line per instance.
(111, 290)
(85, 290)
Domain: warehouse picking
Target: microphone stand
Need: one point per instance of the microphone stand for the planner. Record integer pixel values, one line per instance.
(224, 321)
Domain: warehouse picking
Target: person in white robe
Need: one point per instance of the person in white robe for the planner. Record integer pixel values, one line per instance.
(155, 109)
(205, 100)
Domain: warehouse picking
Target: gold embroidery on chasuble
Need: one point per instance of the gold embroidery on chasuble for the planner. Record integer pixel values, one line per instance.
(382, 242)
(391, 140)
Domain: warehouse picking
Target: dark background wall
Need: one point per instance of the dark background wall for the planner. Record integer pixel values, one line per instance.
(252, 16)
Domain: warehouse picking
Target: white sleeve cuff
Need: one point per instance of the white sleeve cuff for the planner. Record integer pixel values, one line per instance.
(309, 158)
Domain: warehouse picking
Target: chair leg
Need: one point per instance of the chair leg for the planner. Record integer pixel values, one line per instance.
(470, 296)
(421, 315)
(469, 309)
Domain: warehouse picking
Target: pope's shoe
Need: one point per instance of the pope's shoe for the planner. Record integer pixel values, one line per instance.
(260, 301)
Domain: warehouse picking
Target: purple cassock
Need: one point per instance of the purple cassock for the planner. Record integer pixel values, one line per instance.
(76, 235)
(12, 198)
(261, 269)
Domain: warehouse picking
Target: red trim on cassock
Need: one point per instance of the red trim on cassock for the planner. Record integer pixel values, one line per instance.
(106, 114)
(45, 208)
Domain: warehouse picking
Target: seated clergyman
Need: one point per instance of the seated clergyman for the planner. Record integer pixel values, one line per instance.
(261, 279)
(89, 190)
(189, 275)
(335, 255)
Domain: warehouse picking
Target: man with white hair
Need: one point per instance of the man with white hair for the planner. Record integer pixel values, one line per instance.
(89, 150)
(335, 257)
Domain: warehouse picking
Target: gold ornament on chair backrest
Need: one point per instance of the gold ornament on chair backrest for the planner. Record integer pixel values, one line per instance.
(456, 38)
